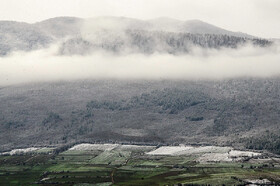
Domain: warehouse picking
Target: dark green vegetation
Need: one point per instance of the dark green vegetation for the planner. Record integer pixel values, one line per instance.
(127, 166)
(268, 140)
(243, 113)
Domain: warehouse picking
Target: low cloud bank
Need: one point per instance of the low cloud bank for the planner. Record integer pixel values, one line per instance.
(46, 65)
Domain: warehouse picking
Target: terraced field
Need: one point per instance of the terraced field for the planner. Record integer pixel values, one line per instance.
(100, 164)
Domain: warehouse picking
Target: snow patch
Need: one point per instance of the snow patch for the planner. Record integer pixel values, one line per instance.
(206, 149)
(186, 150)
(214, 157)
(91, 147)
(170, 150)
(206, 153)
(238, 153)
(20, 151)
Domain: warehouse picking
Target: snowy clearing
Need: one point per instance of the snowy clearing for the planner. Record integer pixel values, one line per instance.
(205, 149)
(206, 153)
(170, 150)
(91, 147)
(136, 147)
(187, 150)
(20, 151)
(232, 156)
(238, 153)
(214, 157)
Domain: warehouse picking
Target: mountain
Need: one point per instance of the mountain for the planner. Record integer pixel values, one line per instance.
(61, 27)
(117, 34)
(166, 24)
(21, 36)
(200, 27)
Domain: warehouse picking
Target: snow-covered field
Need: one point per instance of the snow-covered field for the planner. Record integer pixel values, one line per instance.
(204, 154)
(170, 150)
(137, 147)
(214, 157)
(238, 153)
(205, 149)
(231, 156)
(90, 147)
(20, 151)
(259, 182)
(187, 150)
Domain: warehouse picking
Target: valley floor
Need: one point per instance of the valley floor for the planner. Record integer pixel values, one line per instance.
(114, 164)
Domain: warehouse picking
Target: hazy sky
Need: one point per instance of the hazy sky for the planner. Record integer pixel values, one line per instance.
(256, 17)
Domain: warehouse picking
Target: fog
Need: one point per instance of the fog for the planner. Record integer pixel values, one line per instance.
(47, 65)
(255, 17)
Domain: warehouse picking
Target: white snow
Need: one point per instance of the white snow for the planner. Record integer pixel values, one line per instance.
(214, 157)
(141, 147)
(238, 153)
(186, 150)
(170, 150)
(206, 149)
(231, 156)
(259, 181)
(20, 151)
(90, 147)
(206, 153)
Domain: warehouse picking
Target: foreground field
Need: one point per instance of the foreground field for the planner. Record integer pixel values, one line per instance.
(112, 164)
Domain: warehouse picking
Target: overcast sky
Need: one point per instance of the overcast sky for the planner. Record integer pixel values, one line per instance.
(256, 17)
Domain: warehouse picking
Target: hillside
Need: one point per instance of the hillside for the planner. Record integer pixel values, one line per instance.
(235, 112)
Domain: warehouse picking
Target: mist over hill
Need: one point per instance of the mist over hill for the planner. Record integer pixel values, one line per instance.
(116, 34)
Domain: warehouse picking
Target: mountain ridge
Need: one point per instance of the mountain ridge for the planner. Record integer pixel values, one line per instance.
(113, 31)
(164, 20)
